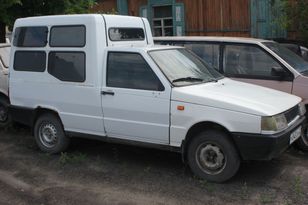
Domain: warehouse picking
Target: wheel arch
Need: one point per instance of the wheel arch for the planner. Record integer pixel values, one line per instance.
(39, 111)
(198, 128)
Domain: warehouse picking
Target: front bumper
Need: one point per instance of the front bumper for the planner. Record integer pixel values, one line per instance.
(265, 147)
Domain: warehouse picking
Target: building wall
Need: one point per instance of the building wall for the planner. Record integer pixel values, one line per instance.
(246, 18)
(217, 17)
(134, 6)
(105, 6)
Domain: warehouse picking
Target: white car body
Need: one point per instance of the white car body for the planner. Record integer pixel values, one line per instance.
(136, 115)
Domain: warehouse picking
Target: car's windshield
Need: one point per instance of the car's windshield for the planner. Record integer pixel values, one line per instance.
(290, 57)
(5, 56)
(183, 68)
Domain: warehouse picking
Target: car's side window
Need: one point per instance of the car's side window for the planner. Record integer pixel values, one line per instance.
(130, 70)
(208, 52)
(248, 60)
(31, 36)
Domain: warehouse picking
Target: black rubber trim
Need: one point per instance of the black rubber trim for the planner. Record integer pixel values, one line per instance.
(265, 147)
(22, 115)
(124, 141)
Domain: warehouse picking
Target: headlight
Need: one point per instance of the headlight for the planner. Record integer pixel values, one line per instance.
(302, 109)
(274, 123)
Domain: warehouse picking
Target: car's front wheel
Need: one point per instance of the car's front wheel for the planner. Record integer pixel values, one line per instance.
(49, 134)
(212, 156)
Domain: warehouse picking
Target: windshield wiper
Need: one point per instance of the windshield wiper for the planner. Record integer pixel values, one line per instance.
(191, 79)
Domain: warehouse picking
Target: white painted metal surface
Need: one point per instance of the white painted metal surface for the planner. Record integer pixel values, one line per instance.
(148, 116)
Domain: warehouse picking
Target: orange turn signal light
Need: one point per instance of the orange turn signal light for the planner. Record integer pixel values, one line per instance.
(181, 107)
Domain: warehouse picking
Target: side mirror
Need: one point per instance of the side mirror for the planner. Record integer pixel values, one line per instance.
(279, 73)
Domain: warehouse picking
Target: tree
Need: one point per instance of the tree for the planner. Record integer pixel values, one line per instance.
(4, 16)
(13, 9)
(296, 17)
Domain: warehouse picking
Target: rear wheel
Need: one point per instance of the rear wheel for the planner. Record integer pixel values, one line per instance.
(212, 156)
(49, 134)
(5, 118)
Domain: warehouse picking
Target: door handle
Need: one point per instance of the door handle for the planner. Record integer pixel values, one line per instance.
(107, 93)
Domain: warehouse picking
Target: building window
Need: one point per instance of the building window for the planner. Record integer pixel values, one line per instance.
(162, 21)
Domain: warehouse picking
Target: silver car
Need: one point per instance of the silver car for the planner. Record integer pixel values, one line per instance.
(4, 99)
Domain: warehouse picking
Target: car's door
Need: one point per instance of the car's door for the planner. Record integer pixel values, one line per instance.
(136, 104)
(250, 63)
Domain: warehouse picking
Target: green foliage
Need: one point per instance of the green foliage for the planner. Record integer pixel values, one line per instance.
(73, 158)
(4, 6)
(296, 17)
(12, 9)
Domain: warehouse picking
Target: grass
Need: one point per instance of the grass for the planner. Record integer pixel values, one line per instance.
(73, 158)
(297, 187)
(266, 199)
(244, 191)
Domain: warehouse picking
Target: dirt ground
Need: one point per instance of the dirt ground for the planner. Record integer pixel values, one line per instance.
(93, 172)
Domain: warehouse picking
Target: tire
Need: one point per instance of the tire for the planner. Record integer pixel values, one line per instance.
(5, 118)
(49, 134)
(211, 156)
(302, 143)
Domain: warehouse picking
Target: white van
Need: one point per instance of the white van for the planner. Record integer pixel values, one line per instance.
(4, 71)
(99, 76)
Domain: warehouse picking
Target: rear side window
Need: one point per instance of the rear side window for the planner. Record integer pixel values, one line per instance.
(68, 36)
(208, 52)
(32, 61)
(30, 36)
(126, 34)
(130, 70)
(67, 66)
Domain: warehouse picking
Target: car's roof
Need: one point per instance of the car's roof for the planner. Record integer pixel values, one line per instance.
(211, 38)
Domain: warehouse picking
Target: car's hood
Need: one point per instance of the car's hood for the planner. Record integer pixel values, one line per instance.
(236, 96)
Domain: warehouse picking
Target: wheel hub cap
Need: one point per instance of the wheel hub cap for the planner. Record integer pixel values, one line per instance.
(211, 159)
(48, 135)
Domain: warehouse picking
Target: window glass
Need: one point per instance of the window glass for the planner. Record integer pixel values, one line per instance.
(162, 21)
(208, 52)
(33, 61)
(182, 68)
(126, 34)
(5, 56)
(67, 66)
(130, 70)
(290, 57)
(68, 36)
(248, 60)
(30, 36)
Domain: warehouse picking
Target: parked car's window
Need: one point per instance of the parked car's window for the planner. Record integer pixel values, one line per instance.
(291, 58)
(68, 36)
(5, 56)
(304, 53)
(183, 68)
(246, 60)
(208, 52)
(30, 36)
(67, 66)
(130, 70)
(32, 61)
(126, 34)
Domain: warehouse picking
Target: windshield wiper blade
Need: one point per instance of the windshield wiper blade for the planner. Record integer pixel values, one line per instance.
(187, 79)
